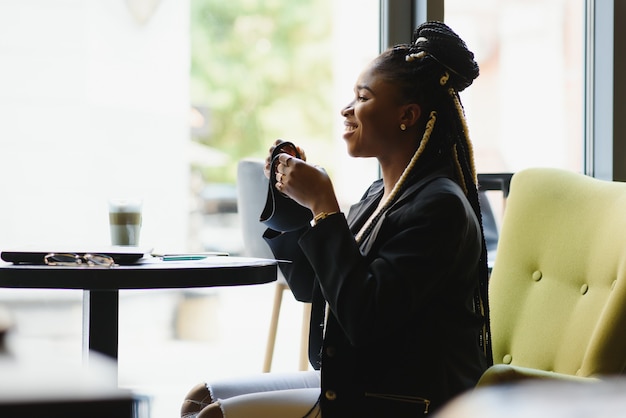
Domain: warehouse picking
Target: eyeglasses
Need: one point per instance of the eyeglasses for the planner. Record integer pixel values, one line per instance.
(71, 259)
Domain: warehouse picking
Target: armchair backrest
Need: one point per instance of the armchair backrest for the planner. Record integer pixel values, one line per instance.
(558, 287)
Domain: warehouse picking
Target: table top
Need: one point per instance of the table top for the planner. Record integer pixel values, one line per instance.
(148, 273)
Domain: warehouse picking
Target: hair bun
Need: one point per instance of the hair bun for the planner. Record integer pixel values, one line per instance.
(447, 48)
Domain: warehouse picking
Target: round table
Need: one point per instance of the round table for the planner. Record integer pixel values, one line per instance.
(101, 286)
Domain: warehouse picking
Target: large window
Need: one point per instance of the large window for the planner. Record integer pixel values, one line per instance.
(101, 109)
(96, 98)
(94, 102)
(263, 71)
(526, 107)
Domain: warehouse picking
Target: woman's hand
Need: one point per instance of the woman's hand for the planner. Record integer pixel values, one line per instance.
(308, 185)
(289, 150)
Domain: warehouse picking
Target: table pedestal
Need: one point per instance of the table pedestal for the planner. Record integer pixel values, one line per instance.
(100, 322)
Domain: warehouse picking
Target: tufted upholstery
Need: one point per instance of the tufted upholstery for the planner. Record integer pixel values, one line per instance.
(558, 287)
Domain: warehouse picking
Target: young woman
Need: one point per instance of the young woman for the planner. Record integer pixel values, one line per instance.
(398, 286)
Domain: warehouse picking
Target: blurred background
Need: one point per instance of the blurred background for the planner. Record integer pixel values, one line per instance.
(160, 99)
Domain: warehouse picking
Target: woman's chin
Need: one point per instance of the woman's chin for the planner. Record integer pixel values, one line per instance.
(350, 149)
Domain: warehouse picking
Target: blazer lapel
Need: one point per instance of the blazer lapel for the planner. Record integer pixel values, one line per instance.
(359, 212)
(368, 241)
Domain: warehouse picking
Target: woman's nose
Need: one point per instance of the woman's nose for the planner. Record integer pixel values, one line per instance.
(347, 109)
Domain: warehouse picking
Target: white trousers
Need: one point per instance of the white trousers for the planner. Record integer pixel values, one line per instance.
(268, 395)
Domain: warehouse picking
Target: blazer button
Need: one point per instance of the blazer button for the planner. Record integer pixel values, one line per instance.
(331, 395)
(330, 351)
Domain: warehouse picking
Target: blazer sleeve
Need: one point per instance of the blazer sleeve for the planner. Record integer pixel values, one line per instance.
(294, 264)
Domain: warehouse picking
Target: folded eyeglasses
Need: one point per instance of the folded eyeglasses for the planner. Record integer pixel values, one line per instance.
(71, 259)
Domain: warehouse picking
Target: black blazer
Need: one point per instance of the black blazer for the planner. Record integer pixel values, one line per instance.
(401, 337)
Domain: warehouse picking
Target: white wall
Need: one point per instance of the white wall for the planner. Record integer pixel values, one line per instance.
(92, 104)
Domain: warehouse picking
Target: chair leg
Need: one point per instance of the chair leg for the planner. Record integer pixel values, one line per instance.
(304, 337)
(271, 338)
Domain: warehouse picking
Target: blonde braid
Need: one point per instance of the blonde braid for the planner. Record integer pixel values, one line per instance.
(413, 57)
(459, 170)
(396, 188)
(468, 143)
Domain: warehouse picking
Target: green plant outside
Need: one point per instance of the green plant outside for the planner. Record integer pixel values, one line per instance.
(262, 69)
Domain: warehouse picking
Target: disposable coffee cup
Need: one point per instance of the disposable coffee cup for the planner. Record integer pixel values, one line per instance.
(125, 221)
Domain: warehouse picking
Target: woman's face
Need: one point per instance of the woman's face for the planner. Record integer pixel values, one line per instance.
(373, 117)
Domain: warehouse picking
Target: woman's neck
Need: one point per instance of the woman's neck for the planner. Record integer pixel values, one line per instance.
(392, 170)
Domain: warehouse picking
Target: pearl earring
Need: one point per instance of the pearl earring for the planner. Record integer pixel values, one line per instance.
(402, 127)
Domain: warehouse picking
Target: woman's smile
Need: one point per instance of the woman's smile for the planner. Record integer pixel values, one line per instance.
(350, 127)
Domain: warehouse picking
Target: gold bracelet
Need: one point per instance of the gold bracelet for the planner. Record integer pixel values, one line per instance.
(321, 216)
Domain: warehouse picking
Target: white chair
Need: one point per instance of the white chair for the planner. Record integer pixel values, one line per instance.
(251, 194)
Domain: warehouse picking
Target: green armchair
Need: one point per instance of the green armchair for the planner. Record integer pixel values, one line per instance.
(558, 287)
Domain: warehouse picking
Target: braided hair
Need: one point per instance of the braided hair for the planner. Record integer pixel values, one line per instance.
(431, 71)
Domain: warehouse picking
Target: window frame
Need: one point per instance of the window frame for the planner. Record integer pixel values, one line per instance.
(399, 19)
(604, 150)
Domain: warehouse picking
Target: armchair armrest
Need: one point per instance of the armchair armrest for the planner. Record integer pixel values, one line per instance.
(502, 373)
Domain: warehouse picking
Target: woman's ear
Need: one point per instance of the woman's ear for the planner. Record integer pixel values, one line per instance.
(411, 114)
